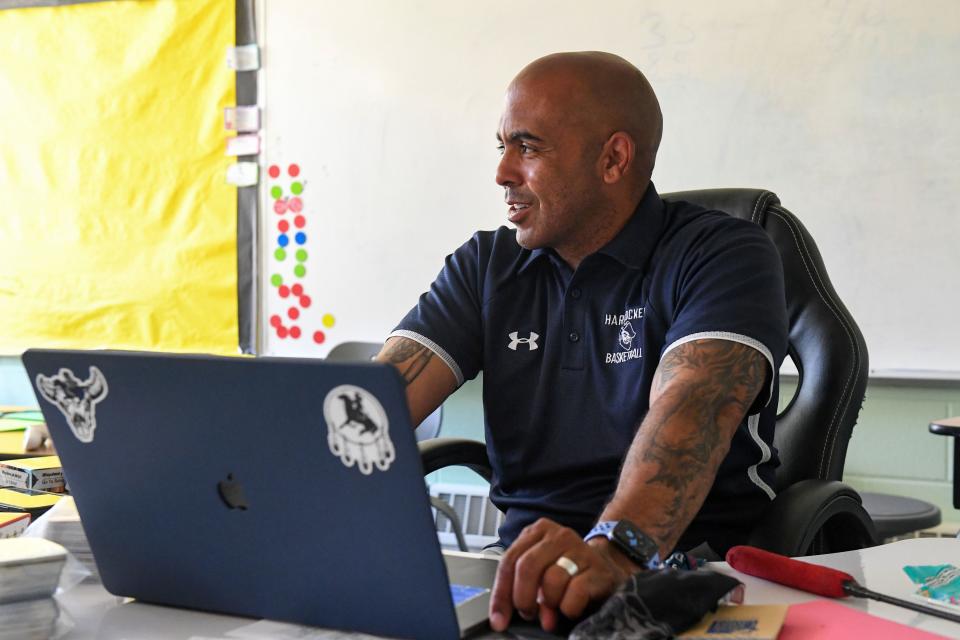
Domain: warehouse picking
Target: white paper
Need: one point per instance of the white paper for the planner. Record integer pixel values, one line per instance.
(243, 58)
(243, 174)
(245, 145)
(241, 118)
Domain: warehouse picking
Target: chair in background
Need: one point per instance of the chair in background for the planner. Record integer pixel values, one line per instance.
(429, 428)
(814, 512)
(951, 427)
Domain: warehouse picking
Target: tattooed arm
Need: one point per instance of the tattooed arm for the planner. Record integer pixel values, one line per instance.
(429, 380)
(701, 392)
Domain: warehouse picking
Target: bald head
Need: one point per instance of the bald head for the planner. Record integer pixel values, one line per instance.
(600, 93)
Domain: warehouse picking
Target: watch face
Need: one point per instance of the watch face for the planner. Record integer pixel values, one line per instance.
(638, 546)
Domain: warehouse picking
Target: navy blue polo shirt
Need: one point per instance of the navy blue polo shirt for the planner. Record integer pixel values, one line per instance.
(569, 356)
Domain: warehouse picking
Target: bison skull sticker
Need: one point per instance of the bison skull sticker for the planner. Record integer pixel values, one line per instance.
(357, 428)
(75, 398)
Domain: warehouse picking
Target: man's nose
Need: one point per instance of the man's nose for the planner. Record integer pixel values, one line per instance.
(507, 172)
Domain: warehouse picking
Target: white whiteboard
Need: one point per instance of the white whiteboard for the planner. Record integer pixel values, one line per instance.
(847, 110)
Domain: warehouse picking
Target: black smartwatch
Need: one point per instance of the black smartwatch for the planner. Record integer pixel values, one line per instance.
(630, 540)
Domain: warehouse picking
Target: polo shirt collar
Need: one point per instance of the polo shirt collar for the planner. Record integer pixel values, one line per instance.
(635, 242)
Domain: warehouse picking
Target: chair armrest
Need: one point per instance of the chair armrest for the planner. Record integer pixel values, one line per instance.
(951, 427)
(437, 453)
(815, 516)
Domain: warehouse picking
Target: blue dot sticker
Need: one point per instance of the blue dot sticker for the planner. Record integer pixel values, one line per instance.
(283, 240)
(301, 237)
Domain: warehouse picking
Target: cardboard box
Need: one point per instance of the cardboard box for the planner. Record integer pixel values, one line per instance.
(31, 501)
(43, 473)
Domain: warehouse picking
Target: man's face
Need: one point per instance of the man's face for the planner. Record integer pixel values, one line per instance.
(548, 171)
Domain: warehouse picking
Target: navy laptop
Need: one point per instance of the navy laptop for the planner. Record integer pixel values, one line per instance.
(279, 488)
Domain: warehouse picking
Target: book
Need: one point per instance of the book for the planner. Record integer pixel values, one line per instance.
(43, 473)
(32, 501)
(13, 524)
(28, 619)
(741, 622)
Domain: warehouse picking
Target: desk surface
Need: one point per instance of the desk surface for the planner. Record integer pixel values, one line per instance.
(99, 615)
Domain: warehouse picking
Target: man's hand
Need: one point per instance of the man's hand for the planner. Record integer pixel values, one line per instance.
(530, 580)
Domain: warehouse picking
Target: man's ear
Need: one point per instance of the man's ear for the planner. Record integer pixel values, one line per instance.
(618, 154)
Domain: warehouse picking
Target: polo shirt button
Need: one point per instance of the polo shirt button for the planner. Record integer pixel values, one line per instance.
(575, 293)
(574, 336)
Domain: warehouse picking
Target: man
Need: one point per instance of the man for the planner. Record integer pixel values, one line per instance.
(627, 345)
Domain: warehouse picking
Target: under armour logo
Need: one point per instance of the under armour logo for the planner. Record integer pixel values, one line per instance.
(531, 342)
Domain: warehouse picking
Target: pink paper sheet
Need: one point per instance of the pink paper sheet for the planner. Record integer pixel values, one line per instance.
(825, 620)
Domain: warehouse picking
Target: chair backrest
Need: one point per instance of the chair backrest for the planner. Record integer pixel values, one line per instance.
(363, 351)
(824, 342)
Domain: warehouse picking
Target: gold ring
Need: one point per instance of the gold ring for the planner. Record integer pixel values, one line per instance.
(568, 565)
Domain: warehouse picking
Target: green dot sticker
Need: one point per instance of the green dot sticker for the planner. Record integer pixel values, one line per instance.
(280, 255)
(276, 280)
(300, 270)
(296, 188)
(301, 255)
(276, 192)
(328, 320)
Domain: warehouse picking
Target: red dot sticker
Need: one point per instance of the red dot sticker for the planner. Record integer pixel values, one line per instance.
(318, 337)
(283, 226)
(284, 291)
(295, 204)
(305, 301)
(293, 312)
(274, 171)
(293, 170)
(297, 289)
(275, 320)
(299, 221)
(280, 206)
(295, 332)
(281, 332)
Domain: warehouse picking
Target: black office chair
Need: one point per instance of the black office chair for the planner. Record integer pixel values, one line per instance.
(429, 428)
(813, 512)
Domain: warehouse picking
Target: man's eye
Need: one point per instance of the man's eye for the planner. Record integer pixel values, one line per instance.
(500, 149)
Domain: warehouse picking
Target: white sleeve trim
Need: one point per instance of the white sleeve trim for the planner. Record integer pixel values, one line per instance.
(433, 346)
(733, 337)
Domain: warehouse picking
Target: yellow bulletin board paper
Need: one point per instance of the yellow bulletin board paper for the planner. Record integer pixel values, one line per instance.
(117, 228)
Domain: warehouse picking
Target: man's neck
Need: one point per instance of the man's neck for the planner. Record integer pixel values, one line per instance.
(612, 224)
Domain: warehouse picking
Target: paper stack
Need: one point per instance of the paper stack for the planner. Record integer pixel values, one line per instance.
(29, 573)
(61, 524)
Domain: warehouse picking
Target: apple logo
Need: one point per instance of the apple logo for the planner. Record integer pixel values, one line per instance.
(231, 492)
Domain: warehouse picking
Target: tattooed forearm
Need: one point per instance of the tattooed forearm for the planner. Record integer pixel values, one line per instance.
(410, 357)
(701, 391)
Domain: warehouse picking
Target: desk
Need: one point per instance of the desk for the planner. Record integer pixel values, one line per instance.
(99, 615)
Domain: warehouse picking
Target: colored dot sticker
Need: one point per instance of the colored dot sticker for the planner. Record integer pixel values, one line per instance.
(293, 313)
(301, 237)
(296, 188)
(283, 226)
(274, 171)
(281, 255)
(295, 204)
(276, 280)
(280, 207)
(319, 337)
(276, 192)
(284, 291)
(281, 332)
(299, 221)
(328, 320)
(301, 255)
(283, 240)
(275, 320)
(294, 332)
(299, 271)
(305, 301)
(293, 170)
(297, 289)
